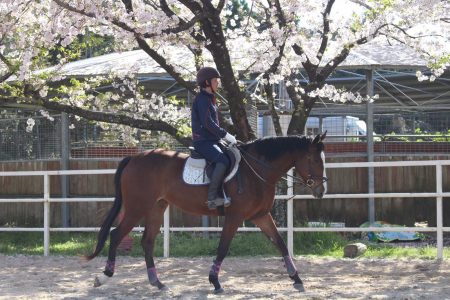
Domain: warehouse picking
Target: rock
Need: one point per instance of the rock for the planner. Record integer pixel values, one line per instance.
(354, 250)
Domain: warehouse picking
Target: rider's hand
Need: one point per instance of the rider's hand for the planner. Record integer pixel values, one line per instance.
(230, 138)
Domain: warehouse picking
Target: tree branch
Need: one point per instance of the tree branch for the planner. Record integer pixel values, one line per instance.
(326, 29)
(193, 6)
(280, 14)
(6, 61)
(220, 6)
(332, 64)
(8, 64)
(156, 125)
(141, 42)
(128, 5)
(182, 26)
(268, 90)
(403, 30)
(163, 63)
(5, 76)
(362, 3)
(310, 68)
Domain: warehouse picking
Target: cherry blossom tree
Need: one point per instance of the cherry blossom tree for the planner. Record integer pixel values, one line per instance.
(315, 37)
(275, 42)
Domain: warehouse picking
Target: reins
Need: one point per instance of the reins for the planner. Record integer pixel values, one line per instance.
(308, 183)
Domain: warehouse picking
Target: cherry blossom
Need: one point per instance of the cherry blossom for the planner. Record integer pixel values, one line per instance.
(277, 41)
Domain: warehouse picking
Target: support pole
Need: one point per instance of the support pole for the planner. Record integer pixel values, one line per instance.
(439, 220)
(205, 224)
(46, 214)
(290, 214)
(65, 156)
(370, 150)
(320, 124)
(166, 231)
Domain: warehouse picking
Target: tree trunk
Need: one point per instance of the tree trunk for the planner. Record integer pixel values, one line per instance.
(212, 27)
(302, 108)
(279, 209)
(298, 121)
(273, 112)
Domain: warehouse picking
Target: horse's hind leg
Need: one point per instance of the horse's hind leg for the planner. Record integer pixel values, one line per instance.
(153, 221)
(116, 236)
(269, 228)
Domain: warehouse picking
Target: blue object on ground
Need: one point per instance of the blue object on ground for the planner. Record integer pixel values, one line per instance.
(390, 236)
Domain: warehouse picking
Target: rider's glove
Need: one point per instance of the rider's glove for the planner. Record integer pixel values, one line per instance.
(230, 138)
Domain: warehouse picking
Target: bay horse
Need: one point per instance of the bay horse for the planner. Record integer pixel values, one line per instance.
(148, 182)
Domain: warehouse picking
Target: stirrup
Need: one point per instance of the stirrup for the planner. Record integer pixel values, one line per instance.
(213, 204)
(227, 201)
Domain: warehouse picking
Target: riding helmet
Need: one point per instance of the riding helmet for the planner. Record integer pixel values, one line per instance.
(207, 73)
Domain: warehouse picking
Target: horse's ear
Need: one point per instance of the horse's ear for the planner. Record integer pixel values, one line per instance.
(324, 135)
(316, 139)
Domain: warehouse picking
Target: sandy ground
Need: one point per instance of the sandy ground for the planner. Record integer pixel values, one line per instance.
(56, 277)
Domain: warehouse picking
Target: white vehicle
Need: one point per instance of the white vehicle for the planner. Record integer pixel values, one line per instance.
(346, 128)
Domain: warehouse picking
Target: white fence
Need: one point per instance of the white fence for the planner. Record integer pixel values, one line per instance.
(290, 229)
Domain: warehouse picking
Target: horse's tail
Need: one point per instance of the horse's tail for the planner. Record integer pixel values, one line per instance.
(107, 223)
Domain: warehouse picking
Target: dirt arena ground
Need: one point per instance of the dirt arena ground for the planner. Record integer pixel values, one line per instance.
(56, 277)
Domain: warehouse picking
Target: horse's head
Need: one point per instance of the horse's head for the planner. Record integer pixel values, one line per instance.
(311, 167)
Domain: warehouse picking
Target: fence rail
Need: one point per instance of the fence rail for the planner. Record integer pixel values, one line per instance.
(290, 197)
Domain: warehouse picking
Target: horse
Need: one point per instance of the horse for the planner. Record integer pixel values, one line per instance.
(148, 182)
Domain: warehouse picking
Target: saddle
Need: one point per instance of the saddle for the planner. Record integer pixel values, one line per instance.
(197, 170)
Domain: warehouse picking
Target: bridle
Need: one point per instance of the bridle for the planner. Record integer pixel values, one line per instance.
(310, 181)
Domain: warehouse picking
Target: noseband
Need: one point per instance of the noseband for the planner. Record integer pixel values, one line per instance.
(311, 181)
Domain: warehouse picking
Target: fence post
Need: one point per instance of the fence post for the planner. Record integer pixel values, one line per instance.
(46, 214)
(166, 231)
(439, 222)
(370, 150)
(290, 213)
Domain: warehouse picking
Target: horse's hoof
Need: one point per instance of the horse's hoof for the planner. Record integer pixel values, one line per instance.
(299, 287)
(219, 291)
(161, 286)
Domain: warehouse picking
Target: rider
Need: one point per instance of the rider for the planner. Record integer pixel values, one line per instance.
(206, 132)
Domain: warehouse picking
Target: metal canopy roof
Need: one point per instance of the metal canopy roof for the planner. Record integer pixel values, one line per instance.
(394, 77)
(398, 91)
(368, 56)
(374, 55)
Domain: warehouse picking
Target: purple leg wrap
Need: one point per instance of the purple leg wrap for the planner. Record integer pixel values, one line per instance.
(215, 268)
(291, 269)
(152, 276)
(110, 265)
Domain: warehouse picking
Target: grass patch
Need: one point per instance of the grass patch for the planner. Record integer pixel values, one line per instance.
(319, 243)
(194, 244)
(392, 251)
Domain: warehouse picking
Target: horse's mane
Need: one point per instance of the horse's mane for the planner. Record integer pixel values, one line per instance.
(274, 147)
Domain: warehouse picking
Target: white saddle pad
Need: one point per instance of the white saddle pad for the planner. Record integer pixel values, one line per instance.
(194, 169)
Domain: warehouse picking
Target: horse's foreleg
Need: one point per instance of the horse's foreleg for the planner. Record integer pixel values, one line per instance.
(230, 226)
(153, 223)
(269, 228)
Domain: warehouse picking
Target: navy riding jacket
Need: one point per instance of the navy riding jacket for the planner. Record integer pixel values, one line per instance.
(205, 119)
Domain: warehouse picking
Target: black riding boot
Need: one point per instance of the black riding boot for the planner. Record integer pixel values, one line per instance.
(217, 176)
